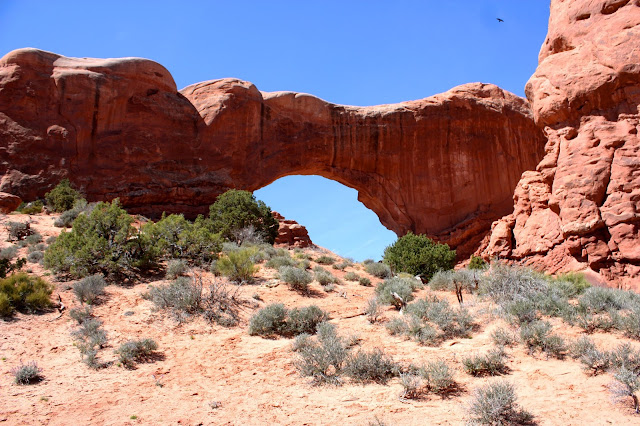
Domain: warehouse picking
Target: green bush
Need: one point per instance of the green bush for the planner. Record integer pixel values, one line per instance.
(503, 337)
(8, 253)
(351, 276)
(625, 356)
(397, 326)
(184, 295)
(324, 359)
(537, 335)
(90, 337)
(462, 280)
(89, 289)
(372, 366)
(275, 319)
(571, 284)
(325, 260)
(176, 268)
(426, 313)
(134, 351)
(102, 242)
(438, 376)
(298, 279)
(277, 262)
(79, 207)
(594, 360)
(238, 265)
(325, 277)
(496, 404)
(7, 267)
(401, 287)
(478, 263)
(62, 197)
(373, 310)
(419, 255)
(27, 374)
(81, 314)
(379, 270)
(33, 207)
(35, 256)
(235, 210)
(24, 293)
(364, 281)
(491, 364)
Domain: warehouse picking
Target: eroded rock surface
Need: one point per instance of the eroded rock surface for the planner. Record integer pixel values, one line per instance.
(580, 207)
(291, 233)
(445, 165)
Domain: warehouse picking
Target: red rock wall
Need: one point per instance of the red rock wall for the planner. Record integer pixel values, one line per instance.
(291, 233)
(445, 165)
(580, 207)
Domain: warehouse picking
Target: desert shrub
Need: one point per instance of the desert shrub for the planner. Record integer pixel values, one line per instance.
(184, 295)
(368, 261)
(270, 320)
(457, 281)
(81, 314)
(571, 284)
(27, 374)
(591, 322)
(422, 332)
(351, 276)
(395, 291)
(298, 279)
(537, 336)
(438, 376)
(496, 404)
(24, 293)
(79, 207)
(477, 263)
(305, 320)
(451, 322)
(522, 311)
(628, 322)
(277, 262)
(222, 303)
(176, 268)
(325, 277)
(134, 351)
(301, 341)
(491, 363)
(237, 265)
(248, 235)
(33, 207)
(37, 247)
(275, 319)
(7, 267)
(89, 289)
(506, 283)
(324, 359)
(235, 210)
(102, 242)
(419, 255)
(604, 299)
(397, 326)
(411, 385)
(364, 281)
(626, 385)
(178, 238)
(18, 231)
(35, 256)
(325, 260)
(62, 197)
(372, 366)
(342, 265)
(90, 337)
(379, 270)
(503, 337)
(625, 356)
(8, 253)
(373, 310)
(594, 360)
(33, 239)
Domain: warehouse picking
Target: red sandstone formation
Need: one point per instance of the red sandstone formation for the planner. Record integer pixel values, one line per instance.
(9, 202)
(291, 233)
(581, 205)
(445, 165)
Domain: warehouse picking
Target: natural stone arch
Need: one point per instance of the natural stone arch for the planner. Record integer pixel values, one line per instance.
(445, 165)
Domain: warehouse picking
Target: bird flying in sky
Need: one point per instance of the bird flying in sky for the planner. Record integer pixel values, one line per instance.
(500, 20)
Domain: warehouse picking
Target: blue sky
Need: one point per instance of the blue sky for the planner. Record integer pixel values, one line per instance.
(356, 52)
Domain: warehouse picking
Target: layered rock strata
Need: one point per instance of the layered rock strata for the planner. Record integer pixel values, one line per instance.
(580, 207)
(291, 233)
(445, 165)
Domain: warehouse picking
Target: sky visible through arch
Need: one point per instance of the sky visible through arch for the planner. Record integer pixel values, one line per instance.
(355, 52)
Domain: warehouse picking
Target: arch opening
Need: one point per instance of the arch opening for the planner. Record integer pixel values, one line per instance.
(332, 214)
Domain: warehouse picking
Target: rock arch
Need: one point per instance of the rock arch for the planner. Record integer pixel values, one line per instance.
(444, 165)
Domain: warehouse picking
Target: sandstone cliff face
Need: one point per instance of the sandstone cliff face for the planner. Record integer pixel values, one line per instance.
(445, 165)
(581, 205)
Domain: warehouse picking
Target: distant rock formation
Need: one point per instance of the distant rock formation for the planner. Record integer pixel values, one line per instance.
(9, 202)
(580, 207)
(291, 233)
(445, 165)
